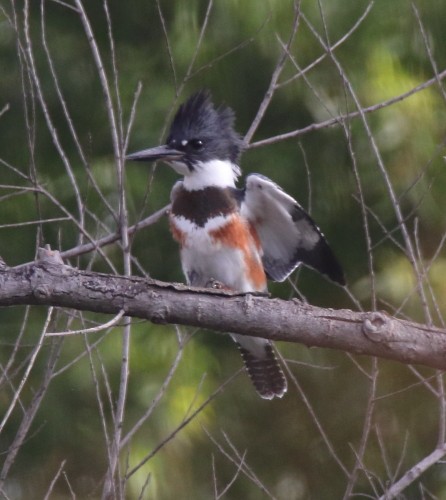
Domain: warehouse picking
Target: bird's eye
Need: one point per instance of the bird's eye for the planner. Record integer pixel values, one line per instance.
(196, 144)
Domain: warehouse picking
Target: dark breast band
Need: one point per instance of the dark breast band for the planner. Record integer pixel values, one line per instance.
(204, 204)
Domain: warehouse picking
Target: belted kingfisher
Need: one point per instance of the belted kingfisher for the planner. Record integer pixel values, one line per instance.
(238, 237)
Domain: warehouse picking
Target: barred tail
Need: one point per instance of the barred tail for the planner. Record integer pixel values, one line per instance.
(262, 366)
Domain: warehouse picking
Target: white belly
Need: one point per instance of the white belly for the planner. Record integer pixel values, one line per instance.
(203, 258)
(225, 265)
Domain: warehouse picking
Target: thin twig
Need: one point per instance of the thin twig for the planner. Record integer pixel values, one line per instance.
(94, 329)
(29, 367)
(55, 478)
(354, 114)
(274, 77)
(182, 425)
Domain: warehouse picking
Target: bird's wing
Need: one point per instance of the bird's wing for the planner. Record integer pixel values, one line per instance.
(287, 233)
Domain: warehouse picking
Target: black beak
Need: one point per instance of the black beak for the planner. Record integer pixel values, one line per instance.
(159, 153)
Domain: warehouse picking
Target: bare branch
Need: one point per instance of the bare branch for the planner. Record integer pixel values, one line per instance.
(27, 372)
(94, 329)
(274, 77)
(55, 478)
(107, 240)
(182, 425)
(373, 333)
(354, 114)
(414, 473)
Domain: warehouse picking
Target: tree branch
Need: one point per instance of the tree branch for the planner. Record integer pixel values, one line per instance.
(50, 282)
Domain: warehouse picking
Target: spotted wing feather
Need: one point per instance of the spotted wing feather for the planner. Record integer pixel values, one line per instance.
(287, 233)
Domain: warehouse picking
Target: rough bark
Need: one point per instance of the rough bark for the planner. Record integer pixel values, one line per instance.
(49, 282)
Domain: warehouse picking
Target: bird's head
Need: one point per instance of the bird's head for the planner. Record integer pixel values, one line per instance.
(202, 144)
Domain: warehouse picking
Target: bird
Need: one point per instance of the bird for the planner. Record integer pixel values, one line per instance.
(236, 237)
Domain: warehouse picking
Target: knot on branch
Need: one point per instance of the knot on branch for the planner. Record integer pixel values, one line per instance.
(49, 256)
(159, 316)
(375, 325)
(42, 291)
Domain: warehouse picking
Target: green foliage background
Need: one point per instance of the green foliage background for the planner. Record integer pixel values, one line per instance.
(385, 57)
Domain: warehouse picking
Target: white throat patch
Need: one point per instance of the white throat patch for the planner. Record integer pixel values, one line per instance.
(219, 173)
